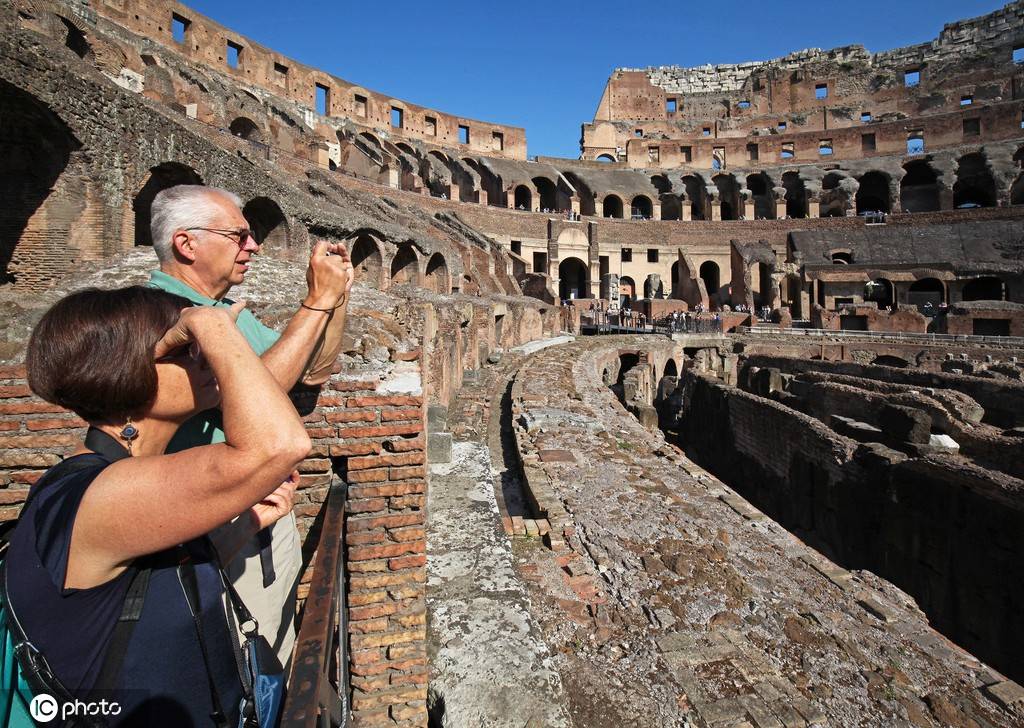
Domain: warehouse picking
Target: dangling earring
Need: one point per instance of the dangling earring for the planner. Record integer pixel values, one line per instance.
(128, 433)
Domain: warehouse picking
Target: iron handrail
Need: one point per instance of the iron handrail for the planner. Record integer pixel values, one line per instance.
(318, 686)
(883, 335)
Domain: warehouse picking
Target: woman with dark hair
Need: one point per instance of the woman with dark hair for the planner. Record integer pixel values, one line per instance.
(136, 363)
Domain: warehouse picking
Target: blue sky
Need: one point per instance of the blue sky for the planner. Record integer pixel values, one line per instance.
(543, 65)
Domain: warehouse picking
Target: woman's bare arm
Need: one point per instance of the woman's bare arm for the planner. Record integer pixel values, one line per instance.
(142, 505)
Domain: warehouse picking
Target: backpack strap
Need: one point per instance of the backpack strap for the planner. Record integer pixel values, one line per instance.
(131, 612)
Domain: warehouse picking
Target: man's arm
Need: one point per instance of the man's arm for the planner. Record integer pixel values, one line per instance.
(311, 341)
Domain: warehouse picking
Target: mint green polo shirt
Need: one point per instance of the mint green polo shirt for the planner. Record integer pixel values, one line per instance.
(206, 427)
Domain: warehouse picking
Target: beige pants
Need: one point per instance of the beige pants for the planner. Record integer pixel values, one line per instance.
(273, 606)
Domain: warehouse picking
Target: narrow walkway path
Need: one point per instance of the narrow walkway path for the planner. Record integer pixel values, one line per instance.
(489, 665)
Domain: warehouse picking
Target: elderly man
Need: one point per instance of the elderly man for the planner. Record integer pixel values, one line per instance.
(205, 246)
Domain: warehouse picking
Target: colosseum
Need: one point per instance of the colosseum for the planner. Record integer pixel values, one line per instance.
(720, 424)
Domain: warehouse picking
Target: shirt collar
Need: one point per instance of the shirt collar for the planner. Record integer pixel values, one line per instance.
(165, 282)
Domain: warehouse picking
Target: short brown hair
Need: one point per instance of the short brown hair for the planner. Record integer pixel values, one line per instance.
(92, 352)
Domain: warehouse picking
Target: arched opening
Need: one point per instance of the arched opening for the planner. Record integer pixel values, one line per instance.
(674, 282)
(670, 369)
(75, 39)
(919, 188)
(523, 198)
(710, 274)
(586, 196)
(842, 258)
(835, 200)
(728, 196)
(246, 129)
(35, 149)
(984, 288)
(437, 274)
(1018, 157)
(627, 291)
(696, 194)
(796, 195)
(761, 194)
(887, 360)
(162, 176)
(1017, 191)
(641, 208)
(613, 206)
(881, 292)
(572, 279)
(975, 186)
(547, 193)
(605, 158)
(407, 149)
(370, 146)
(927, 294)
(366, 260)
(405, 266)
(873, 195)
(268, 223)
(654, 287)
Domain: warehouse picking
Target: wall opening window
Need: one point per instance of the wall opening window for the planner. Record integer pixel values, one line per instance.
(517, 247)
(687, 152)
(912, 77)
(1018, 55)
(744, 104)
(821, 91)
(280, 73)
(463, 134)
(653, 155)
(787, 151)
(652, 255)
(718, 158)
(179, 27)
(234, 54)
(638, 133)
(782, 126)
(670, 106)
(752, 153)
(430, 126)
(323, 100)
(966, 100)
(627, 255)
(360, 102)
(867, 142)
(497, 140)
(397, 117)
(540, 263)
(825, 147)
(706, 131)
(915, 142)
(972, 127)
(865, 116)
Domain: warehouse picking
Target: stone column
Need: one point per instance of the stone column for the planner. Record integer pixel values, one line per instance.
(716, 210)
(598, 207)
(813, 208)
(780, 209)
(748, 210)
(454, 193)
(482, 196)
(656, 211)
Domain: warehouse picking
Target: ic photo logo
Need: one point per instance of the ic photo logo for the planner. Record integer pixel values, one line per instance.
(45, 708)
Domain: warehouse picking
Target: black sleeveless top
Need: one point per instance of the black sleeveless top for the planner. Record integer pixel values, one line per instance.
(163, 680)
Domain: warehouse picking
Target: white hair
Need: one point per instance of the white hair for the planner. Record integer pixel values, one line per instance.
(180, 207)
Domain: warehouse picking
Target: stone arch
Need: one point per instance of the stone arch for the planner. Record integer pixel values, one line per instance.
(880, 291)
(671, 208)
(586, 196)
(1017, 191)
(728, 196)
(547, 193)
(573, 279)
(268, 223)
(919, 188)
(796, 195)
(835, 200)
(975, 186)
(75, 39)
(984, 288)
(523, 198)
(408, 149)
(605, 158)
(405, 266)
(761, 192)
(627, 290)
(873, 193)
(436, 277)
(613, 206)
(367, 259)
(641, 208)
(710, 273)
(162, 176)
(697, 195)
(36, 147)
(888, 360)
(670, 369)
(246, 128)
(926, 290)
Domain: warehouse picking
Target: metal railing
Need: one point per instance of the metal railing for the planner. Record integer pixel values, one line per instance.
(898, 336)
(604, 324)
(318, 686)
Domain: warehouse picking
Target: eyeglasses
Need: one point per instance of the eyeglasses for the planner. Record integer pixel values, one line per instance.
(239, 237)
